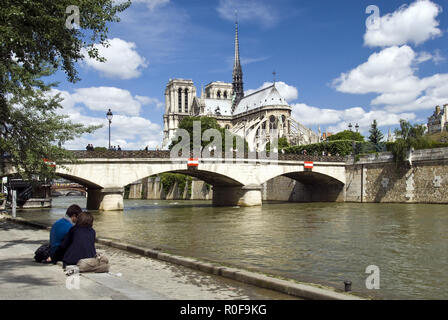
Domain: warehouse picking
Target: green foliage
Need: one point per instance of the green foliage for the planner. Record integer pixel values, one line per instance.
(411, 136)
(100, 149)
(376, 135)
(341, 147)
(168, 180)
(127, 189)
(34, 43)
(207, 123)
(346, 135)
(440, 137)
(282, 144)
(400, 150)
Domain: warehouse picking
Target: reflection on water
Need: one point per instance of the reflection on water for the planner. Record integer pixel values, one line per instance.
(323, 243)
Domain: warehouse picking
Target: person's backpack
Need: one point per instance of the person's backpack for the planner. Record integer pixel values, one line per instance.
(42, 253)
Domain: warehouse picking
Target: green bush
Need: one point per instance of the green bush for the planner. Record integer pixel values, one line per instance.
(282, 144)
(168, 180)
(346, 135)
(341, 147)
(127, 189)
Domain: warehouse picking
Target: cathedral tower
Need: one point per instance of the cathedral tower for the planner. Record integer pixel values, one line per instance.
(237, 83)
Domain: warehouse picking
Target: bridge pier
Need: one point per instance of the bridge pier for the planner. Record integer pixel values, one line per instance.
(108, 199)
(245, 196)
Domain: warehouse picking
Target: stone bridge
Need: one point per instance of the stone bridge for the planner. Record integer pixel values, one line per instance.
(235, 181)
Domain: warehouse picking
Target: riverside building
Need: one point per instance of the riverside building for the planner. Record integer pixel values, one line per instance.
(438, 122)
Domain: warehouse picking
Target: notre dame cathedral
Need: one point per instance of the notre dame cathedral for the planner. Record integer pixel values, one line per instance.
(257, 117)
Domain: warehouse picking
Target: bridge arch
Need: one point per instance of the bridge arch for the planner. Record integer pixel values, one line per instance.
(82, 181)
(317, 174)
(212, 178)
(63, 174)
(310, 187)
(213, 174)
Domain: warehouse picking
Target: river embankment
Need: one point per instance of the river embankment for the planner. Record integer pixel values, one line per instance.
(288, 287)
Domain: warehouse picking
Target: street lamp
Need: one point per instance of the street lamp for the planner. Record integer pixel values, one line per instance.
(350, 127)
(109, 116)
(357, 127)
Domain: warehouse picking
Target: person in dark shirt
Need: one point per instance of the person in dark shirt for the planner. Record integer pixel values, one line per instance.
(60, 229)
(79, 242)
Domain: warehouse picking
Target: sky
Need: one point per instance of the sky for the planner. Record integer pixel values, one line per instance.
(336, 62)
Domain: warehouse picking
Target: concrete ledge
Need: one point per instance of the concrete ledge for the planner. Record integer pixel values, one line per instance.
(24, 222)
(304, 291)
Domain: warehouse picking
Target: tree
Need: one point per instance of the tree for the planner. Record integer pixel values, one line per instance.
(207, 123)
(282, 144)
(408, 136)
(375, 134)
(346, 135)
(35, 42)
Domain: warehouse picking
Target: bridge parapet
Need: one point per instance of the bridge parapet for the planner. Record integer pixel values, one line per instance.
(164, 154)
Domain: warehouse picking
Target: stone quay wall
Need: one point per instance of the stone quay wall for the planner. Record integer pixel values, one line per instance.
(422, 179)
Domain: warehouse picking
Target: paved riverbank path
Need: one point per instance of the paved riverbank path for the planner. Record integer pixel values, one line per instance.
(131, 276)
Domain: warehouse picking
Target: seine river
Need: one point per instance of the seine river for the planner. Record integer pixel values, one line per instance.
(324, 243)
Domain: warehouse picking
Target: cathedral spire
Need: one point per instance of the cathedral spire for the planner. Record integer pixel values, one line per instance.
(238, 90)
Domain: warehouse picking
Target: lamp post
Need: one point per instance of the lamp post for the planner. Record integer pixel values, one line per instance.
(109, 116)
(350, 126)
(357, 127)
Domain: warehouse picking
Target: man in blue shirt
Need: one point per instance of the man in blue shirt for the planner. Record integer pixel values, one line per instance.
(60, 228)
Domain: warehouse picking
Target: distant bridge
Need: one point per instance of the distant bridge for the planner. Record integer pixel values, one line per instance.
(68, 187)
(235, 181)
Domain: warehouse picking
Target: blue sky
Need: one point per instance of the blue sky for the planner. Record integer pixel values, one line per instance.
(331, 68)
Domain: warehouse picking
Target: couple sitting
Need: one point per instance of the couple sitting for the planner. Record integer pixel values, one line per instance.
(72, 240)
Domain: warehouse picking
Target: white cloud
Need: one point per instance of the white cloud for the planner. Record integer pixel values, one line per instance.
(246, 61)
(415, 23)
(152, 4)
(248, 10)
(337, 120)
(122, 60)
(437, 57)
(289, 93)
(147, 100)
(391, 74)
(423, 57)
(103, 98)
(387, 71)
(131, 132)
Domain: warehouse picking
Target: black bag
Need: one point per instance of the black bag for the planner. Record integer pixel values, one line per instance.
(42, 253)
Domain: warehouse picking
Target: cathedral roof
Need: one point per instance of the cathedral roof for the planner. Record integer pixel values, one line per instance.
(224, 107)
(265, 97)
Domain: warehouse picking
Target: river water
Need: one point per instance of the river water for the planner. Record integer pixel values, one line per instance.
(324, 243)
